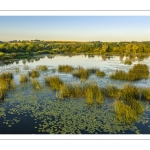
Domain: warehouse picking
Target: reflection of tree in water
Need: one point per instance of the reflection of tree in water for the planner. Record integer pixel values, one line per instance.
(104, 57)
(121, 57)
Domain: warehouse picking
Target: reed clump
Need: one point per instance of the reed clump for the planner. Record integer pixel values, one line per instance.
(36, 84)
(23, 78)
(137, 72)
(6, 83)
(42, 67)
(34, 73)
(81, 73)
(113, 92)
(145, 93)
(72, 91)
(128, 62)
(54, 82)
(100, 73)
(129, 92)
(65, 68)
(91, 92)
(124, 113)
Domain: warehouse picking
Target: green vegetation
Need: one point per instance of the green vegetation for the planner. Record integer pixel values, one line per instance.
(6, 83)
(27, 49)
(65, 68)
(36, 84)
(34, 73)
(128, 62)
(91, 92)
(42, 67)
(23, 78)
(81, 73)
(137, 72)
(145, 93)
(100, 73)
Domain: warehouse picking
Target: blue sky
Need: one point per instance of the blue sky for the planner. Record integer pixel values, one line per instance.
(75, 28)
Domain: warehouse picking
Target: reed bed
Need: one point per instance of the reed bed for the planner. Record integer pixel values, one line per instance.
(128, 62)
(145, 93)
(113, 92)
(23, 78)
(34, 73)
(6, 83)
(36, 84)
(81, 73)
(42, 67)
(100, 73)
(65, 68)
(137, 72)
(91, 92)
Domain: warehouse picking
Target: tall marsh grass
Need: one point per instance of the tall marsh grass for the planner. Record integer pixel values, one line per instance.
(23, 78)
(65, 68)
(137, 72)
(42, 67)
(36, 84)
(34, 73)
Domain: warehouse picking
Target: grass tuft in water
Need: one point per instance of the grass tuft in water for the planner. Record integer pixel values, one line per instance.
(100, 73)
(127, 62)
(65, 68)
(137, 72)
(42, 67)
(36, 84)
(34, 73)
(23, 78)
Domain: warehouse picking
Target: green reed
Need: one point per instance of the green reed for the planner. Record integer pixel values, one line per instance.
(42, 67)
(23, 78)
(34, 73)
(65, 68)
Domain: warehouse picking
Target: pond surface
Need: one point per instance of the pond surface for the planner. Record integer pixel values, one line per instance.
(29, 111)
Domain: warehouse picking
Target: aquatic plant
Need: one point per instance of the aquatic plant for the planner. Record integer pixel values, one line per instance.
(36, 84)
(145, 93)
(129, 92)
(137, 72)
(124, 113)
(81, 73)
(6, 76)
(128, 62)
(65, 68)
(42, 67)
(34, 73)
(113, 92)
(119, 75)
(54, 82)
(23, 78)
(100, 73)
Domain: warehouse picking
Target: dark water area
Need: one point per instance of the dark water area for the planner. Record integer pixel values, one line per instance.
(29, 111)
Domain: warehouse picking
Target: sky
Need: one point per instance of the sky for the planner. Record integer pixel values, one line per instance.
(75, 28)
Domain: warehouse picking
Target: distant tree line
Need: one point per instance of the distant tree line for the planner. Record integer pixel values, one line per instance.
(94, 47)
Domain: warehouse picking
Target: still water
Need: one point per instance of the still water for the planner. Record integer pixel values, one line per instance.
(29, 111)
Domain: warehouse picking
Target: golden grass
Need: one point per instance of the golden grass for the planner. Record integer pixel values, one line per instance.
(23, 78)
(65, 68)
(36, 84)
(34, 73)
(42, 67)
(137, 72)
(100, 73)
